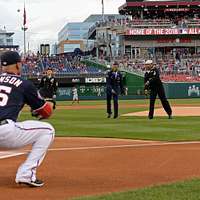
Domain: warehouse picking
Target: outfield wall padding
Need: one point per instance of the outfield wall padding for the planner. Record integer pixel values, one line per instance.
(182, 90)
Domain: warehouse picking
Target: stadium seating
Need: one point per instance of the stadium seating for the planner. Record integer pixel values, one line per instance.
(61, 67)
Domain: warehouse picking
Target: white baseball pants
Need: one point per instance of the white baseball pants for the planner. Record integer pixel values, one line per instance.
(19, 134)
(75, 98)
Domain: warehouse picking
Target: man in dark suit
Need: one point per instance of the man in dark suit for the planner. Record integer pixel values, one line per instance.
(114, 87)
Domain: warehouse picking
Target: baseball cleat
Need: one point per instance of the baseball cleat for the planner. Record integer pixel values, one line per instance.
(36, 183)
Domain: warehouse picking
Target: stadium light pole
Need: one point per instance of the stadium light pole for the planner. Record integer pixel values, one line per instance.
(102, 2)
(24, 28)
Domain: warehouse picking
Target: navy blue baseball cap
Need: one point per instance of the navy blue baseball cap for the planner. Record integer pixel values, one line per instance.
(10, 58)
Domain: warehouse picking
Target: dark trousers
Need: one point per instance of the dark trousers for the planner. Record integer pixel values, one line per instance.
(115, 101)
(161, 94)
(48, 95)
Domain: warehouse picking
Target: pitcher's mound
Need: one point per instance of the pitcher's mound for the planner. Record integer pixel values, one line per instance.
(177, 111)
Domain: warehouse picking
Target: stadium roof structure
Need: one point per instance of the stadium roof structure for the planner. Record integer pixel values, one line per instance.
(4, 32)
(98, 17)
(9, 46)
(131, 6)
(8, 33)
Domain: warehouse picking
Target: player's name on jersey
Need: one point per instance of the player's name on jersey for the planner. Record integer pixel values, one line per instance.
(11, 80)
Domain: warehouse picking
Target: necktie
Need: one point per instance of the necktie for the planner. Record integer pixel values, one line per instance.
(115, 75)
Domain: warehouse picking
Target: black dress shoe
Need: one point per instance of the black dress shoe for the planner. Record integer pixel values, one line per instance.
(115, 116)
(150, 117)
(170, 117)
(109, 116)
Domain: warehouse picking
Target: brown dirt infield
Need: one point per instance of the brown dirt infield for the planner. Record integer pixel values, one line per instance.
(177, 111)
(88, 166)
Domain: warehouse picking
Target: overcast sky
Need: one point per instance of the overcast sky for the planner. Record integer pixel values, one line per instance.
(45, 18)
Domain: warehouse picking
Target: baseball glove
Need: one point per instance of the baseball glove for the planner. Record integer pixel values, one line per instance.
(34, 114)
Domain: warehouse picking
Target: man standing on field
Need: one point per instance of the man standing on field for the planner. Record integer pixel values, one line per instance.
(48, 87)
(75, 95)
(114, 87)
(154, 86)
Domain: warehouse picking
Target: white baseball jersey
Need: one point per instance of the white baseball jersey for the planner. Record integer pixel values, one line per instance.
(14, 93)
(75, 93)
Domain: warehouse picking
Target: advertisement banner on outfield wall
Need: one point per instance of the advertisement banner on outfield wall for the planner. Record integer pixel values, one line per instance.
(182, 90)
(97, 92)
(74, 80)
(82, 80)
(95, 80)
(84, 92)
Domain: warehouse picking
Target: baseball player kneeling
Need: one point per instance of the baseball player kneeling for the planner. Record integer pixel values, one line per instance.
(14, 94)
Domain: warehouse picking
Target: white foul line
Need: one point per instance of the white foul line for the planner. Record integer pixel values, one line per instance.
(124, 146)
(106, 147)
(12, 155)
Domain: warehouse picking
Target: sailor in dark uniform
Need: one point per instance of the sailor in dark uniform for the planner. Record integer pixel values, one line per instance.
(154, 86)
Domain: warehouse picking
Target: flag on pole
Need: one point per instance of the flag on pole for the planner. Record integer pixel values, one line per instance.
(102, 2)
(24, 22)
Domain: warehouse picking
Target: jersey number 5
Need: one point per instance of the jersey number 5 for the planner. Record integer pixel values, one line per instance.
(4, 90)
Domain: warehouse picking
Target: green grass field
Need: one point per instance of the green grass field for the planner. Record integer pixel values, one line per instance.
(93, 123)
(187, 190)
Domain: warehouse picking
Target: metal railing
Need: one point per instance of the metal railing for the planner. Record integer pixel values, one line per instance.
(65, 75)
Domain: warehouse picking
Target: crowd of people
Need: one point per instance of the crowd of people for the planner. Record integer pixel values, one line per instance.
(159, 21)
(35, 65)
(173, 22)
(184, 68)
(172, 68)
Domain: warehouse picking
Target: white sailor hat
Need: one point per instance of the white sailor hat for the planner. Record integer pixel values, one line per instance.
(148, 62)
